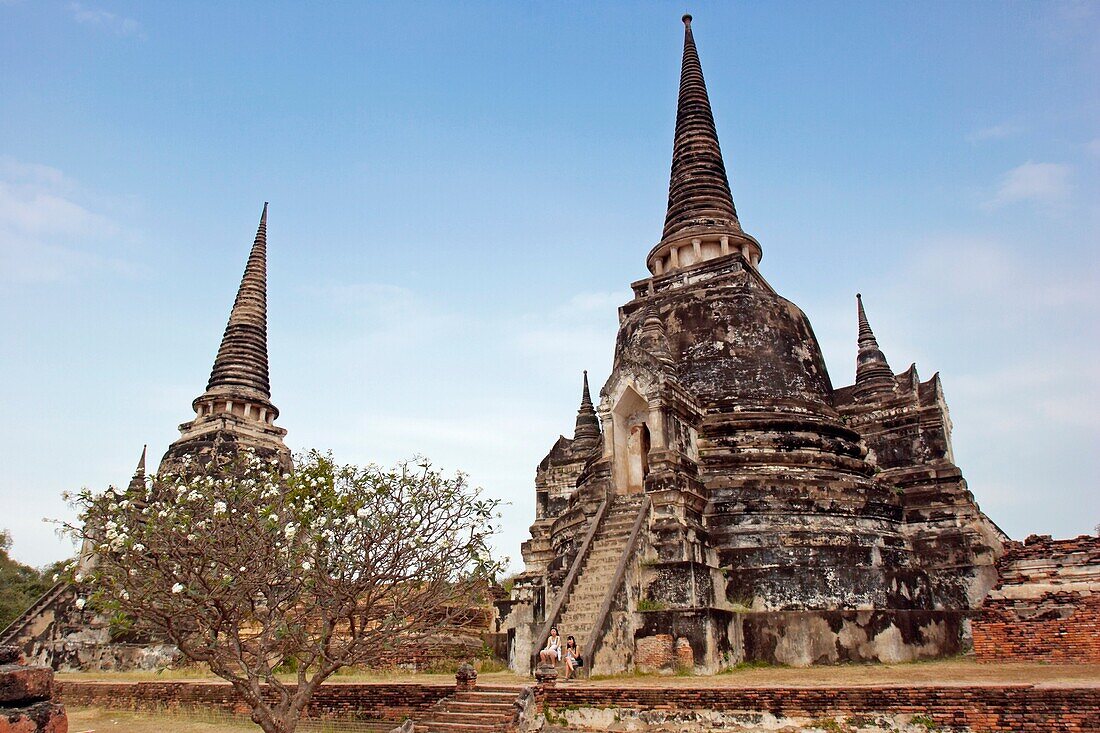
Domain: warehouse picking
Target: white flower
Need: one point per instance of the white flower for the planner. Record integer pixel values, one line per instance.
(177, 588)
(363, 513)
(138, 547)
(243, 569)
(79, 577)
(220, 507)
(125, 596)
(80, 602)
(290, 530)
(56, 577)
(273, 517)
(306, 566)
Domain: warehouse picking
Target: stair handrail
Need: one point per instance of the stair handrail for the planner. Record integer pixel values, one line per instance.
(616, 583)
(20, 622)
(570, 580)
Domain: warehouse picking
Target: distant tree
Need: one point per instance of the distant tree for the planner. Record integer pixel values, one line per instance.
(20, 585)
(246, 568)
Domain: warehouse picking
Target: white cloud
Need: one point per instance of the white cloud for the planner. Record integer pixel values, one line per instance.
(1045, 184)
(994, 132)
(100, 18)
(46, 232)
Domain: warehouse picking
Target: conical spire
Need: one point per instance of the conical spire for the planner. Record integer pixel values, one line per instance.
(698, 190)
(241, 364)
(873, 373)
(138, 478)
(588, 424)
(140, 470)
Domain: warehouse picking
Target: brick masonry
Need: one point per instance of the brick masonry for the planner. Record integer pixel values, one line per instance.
(350, 701)
(1007, 709)
(1046, 605)
(992, 709)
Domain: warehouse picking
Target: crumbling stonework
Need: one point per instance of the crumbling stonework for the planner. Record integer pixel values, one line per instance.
(1046, 606)
(959, 709)
(26, 697)
(784, 520)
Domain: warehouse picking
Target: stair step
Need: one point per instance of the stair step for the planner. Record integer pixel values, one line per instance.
(479, 694)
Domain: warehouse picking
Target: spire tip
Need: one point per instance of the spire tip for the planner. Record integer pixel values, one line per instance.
(687, 19)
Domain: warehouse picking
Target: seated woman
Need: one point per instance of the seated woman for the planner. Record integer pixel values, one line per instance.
(572, 654)
(551, 653)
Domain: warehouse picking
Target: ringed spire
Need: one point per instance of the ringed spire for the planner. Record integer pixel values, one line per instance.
(873, 373)
(588, 423)
(701, 220)
(241, 363)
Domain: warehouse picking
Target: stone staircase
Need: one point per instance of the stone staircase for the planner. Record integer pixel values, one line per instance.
(582, 606)
(483, 710)
(25, 627)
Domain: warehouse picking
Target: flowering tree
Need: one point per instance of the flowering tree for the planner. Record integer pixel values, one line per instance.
(246, 567)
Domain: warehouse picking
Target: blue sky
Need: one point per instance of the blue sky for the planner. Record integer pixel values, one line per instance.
(462, 192)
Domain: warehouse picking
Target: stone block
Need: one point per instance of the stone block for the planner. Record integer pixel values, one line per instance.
(466, 678)
(23, 685)
(43, 717)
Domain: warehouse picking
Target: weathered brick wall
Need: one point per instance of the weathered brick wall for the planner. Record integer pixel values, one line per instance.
(1007, 709)
(1046, 605)
(332, 700)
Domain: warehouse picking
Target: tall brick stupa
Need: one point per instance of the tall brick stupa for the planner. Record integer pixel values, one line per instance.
(735, 505)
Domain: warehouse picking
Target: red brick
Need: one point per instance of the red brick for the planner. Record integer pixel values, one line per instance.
(23, 685)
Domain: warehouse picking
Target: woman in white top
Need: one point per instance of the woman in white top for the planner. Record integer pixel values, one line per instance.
(551, 653)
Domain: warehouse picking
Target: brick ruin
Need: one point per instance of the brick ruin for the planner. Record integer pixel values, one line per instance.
(723, 501)
(1046, 604)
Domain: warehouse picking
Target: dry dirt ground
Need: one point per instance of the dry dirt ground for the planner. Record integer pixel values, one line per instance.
(89, 720)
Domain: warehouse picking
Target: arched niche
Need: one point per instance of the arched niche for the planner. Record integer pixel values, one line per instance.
(633, 438)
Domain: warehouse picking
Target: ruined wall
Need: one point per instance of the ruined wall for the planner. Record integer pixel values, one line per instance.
(1001, 709)
(1046, 606)
(907, 432)
(331, 700)
(56, 632)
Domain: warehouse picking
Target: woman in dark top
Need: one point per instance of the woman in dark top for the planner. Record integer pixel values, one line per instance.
(571, 656)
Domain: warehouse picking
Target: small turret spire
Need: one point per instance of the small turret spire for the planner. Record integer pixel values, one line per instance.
(138, 479)
(587, 431)
(241, 363)
(873, 373)
(140, 470)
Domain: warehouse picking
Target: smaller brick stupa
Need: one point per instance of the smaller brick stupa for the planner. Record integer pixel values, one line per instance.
(234, 411)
